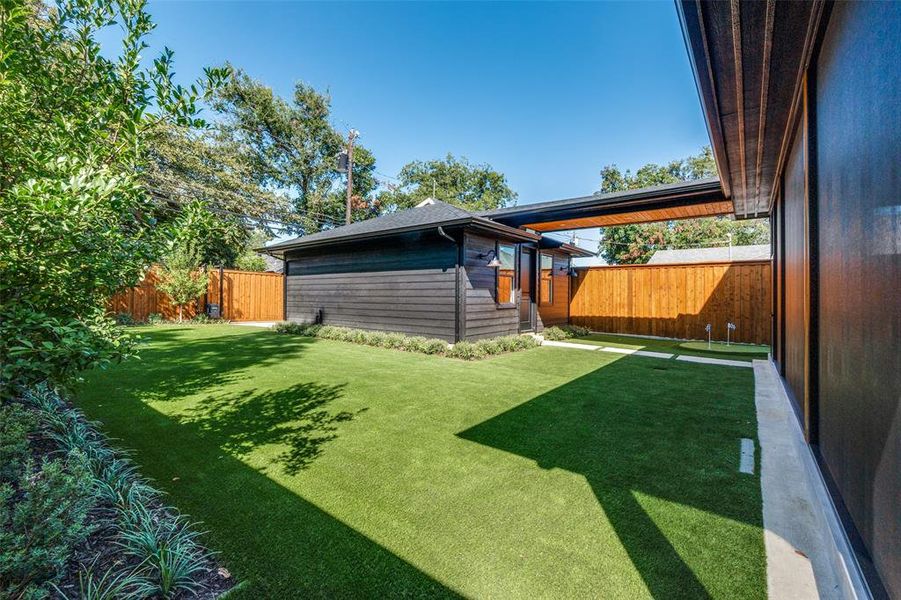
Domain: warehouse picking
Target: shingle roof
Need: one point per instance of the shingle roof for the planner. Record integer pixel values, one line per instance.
(435, 213)
(702, 255)
(432, 214)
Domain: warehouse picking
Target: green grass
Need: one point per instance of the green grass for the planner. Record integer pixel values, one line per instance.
(678, 347)
(326, 469)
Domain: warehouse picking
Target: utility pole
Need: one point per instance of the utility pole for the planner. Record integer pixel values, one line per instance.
(350, 169)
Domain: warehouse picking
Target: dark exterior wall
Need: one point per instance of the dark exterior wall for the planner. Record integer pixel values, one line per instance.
(778, 236)
(794, 199)
(556, 313)
(406, 284)
(858, 159)
(484, 318)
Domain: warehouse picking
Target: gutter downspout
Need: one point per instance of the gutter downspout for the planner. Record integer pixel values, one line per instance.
(458, 300)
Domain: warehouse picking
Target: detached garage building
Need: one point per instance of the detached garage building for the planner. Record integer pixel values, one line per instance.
(435, 270)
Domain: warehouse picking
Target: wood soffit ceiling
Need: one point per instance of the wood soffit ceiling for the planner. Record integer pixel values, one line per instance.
(749, 59)
(723, 207)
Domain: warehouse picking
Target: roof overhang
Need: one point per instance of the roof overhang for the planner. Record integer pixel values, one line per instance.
(473, 223)
(748, 60)
(549, 243)
(660, 203)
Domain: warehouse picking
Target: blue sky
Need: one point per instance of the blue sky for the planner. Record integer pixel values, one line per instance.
(546, 93)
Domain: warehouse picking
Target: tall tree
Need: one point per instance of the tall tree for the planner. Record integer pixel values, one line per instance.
(188, 165)
(292, 146)
(452, 180)
(635, 244)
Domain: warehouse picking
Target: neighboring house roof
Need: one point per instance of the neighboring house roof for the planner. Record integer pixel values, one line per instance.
(703, 255)
(273, 265)
(428, 215)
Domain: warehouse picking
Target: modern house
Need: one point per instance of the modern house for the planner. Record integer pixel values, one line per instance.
(803, 106)
(434, 270)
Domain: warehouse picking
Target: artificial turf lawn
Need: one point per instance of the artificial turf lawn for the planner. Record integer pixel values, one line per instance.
(677, 347)
(327, 469)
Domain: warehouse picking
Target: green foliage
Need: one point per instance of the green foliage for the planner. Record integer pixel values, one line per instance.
(167, 550)
(42, 518)
(155, 319)
(75, 222)
(182, 277)
(421, 345)
(44, 512)
(291, 146)
(565, 332)
(251, 261)
(188, 165)
(452, 180)
(215, 238)
(636, 243)
(112, 584)
(37, 346)
(16, 424)
(468, 351)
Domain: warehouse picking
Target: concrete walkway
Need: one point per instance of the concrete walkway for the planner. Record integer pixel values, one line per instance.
(807, 554)
(266, 324)
(664, 355)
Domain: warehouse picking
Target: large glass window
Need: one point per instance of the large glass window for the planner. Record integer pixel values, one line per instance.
(547, 279)
(506, 273)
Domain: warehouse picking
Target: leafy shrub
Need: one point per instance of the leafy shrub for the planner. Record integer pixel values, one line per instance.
(564, 332)
(125, 319)
(467, 351)
(37, 347)
(155, 319)
(15, 425)
(554, 334)
(39, 529)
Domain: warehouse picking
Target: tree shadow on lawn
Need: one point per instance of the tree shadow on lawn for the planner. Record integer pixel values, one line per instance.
(173, 366)
(296, 417)
(637, 427)
(283, 545)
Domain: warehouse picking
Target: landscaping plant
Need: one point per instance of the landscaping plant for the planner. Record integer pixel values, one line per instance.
(182, 277)
(398, 341)
(564, 332)
(85, 519)
(76, 225)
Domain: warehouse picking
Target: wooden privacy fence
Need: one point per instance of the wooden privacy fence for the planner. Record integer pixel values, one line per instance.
(245, 296)
(676, 301)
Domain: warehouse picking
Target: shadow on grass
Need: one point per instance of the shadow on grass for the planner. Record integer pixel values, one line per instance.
(172, 367)
(632, 428)
(296, 417)
(283, 545)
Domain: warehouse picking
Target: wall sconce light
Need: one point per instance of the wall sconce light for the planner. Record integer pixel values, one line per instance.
(572, 272)
(494, 262)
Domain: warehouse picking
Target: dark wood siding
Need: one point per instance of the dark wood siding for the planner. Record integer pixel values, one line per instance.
(484, 318)
(557, 312)
(405, 284)
(778, 236)
(795, 269)
(858, 153)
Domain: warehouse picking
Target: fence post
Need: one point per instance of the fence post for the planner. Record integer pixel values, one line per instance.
(221, 297)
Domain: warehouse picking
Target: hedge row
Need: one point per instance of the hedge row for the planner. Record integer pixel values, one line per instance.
(398, 341)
